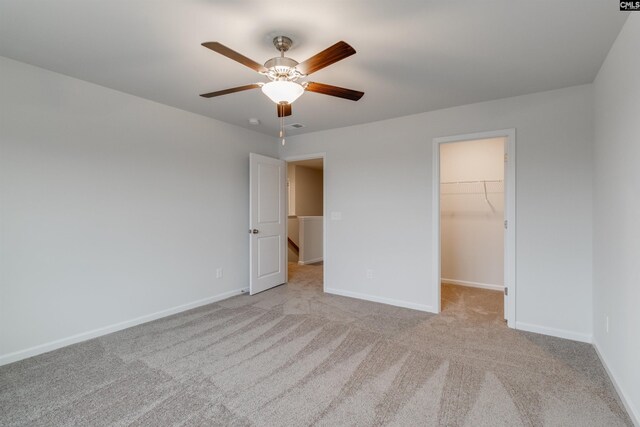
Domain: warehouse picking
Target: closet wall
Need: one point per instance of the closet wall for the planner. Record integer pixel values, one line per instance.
(472, 228)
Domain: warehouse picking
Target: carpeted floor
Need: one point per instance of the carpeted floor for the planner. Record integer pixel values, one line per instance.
(295, 356)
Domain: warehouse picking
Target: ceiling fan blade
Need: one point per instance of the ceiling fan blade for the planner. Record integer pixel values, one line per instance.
(230, 90)
(340, 92)
(232, 54)
(325, 58)
(284, 110)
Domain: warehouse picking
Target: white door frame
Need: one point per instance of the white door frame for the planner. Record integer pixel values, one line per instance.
(510, 213)
(296, 158)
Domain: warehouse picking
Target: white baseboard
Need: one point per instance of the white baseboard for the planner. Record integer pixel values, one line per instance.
(389, 301)
(473, 284)
(310, 261)
(63, 342)
(560, 333)
(634, 413)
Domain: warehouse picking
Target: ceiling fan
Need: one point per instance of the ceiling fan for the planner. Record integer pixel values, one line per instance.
(283, 73)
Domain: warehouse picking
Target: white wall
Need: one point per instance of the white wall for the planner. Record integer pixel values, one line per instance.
(378, 176)
(112, 208)
(472, 229)
(616, 213)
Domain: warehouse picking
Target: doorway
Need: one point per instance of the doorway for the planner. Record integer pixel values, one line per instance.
(306, 221)
(474, 225)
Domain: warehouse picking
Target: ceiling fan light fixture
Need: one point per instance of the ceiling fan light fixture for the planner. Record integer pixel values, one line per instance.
(282, 91)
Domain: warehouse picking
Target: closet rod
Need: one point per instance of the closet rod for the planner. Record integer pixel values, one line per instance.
(472, 182)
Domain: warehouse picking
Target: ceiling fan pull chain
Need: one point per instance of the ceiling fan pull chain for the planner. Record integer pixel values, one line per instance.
(282, 130)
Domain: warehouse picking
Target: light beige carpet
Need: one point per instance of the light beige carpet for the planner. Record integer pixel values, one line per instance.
(293, 356)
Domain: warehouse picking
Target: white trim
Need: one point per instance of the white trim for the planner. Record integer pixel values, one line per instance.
(560, 333)
(473, 284)
(631, 411)
(510, 213)
(383, 300)
(325, 243)
(310, 261)
(83, 336)
(435, 223)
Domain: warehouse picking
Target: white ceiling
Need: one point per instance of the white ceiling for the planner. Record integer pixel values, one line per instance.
(413, 56)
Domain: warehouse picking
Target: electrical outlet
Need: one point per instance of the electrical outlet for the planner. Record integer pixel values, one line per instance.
(606, 325)
(370, 274)
(219, 273)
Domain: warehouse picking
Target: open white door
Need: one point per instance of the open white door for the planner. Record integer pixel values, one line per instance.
(267, 227)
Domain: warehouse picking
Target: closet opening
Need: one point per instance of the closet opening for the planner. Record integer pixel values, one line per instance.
(475, 202)
(305, 221)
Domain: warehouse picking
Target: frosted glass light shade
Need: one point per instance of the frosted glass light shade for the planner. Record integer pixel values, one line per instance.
(282, 91)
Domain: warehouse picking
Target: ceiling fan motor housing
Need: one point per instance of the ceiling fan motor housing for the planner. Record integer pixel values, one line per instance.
(281, 67)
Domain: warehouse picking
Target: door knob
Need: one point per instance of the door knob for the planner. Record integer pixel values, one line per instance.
(254, 231)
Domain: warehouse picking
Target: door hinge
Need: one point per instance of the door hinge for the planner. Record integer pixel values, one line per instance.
(506, 224)
(506, 157)
(506, 291)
